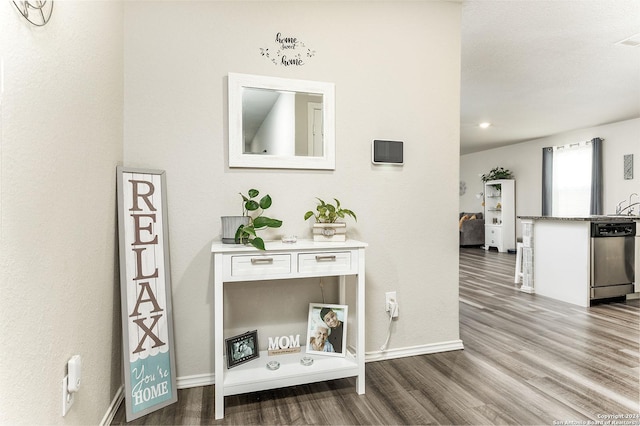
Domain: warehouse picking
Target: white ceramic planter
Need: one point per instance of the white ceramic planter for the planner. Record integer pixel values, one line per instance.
(330, 232)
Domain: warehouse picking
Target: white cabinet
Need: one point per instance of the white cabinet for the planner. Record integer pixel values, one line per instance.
(493, 236)
(235, 263)
(500, 214)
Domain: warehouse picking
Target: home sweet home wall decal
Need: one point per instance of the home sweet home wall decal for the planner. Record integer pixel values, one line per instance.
(287, 50)
(145, 286)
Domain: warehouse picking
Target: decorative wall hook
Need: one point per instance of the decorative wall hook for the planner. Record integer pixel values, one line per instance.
(37, 12)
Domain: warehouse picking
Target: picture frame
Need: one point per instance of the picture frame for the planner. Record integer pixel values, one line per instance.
(242, 348)
(628, 167)
(327, 329)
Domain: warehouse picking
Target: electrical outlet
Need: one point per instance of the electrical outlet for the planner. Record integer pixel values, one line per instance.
(67, 397)
(390, 298)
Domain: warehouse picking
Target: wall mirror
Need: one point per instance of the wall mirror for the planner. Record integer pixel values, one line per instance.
(281, 123)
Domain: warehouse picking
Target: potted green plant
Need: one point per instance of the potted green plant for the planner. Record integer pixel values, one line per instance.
(327, 227)
(495, 174)
(252, 221)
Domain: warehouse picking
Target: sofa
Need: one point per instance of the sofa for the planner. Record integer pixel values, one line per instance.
(471, 229)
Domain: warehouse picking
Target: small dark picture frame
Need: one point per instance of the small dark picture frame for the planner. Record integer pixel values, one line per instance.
(242, 348)
(327, 329)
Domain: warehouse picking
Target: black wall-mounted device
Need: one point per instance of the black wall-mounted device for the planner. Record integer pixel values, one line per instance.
(387, 152)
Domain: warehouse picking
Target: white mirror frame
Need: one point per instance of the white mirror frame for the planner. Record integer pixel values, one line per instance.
(237, 158)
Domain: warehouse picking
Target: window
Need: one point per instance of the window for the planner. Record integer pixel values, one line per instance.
(572, 179)
(571, 190)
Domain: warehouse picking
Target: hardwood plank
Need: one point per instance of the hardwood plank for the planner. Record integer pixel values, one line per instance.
(528, 359)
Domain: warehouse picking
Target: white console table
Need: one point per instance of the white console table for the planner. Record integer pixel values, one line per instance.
(281, 261)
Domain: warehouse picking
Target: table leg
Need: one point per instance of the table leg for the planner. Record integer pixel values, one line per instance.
(360, 301)
(218, 318)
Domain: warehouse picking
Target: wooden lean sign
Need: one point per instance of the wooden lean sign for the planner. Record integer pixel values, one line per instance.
(145, 286)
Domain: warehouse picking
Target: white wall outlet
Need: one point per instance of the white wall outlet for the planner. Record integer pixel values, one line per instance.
(71, 383)
(67, 397)
(391, 299)
(74, 367)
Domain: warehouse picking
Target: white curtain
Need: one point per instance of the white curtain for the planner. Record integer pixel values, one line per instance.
(572, 177)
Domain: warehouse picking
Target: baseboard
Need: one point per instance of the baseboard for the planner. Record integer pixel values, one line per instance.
(197, 380)
(113, 408)
(453, 345)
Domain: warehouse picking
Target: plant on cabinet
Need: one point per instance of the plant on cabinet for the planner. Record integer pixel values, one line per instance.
(497, 173)
(252, 220)
(327, 228)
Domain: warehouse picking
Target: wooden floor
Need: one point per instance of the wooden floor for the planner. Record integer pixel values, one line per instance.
(527, 360)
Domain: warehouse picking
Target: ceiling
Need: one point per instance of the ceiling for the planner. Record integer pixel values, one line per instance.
(534, 68)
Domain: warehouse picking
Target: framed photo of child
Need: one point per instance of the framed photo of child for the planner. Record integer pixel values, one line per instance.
(327, 329)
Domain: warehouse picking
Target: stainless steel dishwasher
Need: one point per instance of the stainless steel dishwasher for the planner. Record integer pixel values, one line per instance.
(612, 259)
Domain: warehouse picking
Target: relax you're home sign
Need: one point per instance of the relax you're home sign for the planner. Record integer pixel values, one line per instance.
(149, 361)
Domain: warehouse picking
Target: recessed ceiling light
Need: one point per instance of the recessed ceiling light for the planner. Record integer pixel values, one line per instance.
(484, 125)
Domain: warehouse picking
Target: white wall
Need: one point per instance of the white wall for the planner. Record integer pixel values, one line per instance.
(60, 141)
(277, 139)
(396, 67)
(525, 160)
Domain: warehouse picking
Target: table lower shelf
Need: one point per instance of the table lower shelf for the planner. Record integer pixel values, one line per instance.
(255, 376)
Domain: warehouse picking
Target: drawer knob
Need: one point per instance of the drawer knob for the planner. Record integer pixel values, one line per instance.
(325, 258)
(261, 260)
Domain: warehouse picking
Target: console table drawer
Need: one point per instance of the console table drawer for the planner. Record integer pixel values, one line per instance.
(329, 262)
(264, 265)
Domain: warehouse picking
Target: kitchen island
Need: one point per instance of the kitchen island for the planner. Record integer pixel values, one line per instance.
(557, 256)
